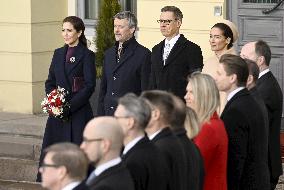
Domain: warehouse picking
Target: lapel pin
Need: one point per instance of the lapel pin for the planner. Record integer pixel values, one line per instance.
(72, 59)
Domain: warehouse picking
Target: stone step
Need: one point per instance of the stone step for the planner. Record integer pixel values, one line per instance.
(17, 146)
(22, 124)
(16, 185)
(18, 169)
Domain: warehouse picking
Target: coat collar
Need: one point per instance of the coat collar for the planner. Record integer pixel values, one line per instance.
(164, 133)
(78, 54)
(175, 50)
(142, 142)
(127, 52)
(243, 92)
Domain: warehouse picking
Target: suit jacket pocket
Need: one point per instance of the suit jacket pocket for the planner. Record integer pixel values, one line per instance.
(78, 84)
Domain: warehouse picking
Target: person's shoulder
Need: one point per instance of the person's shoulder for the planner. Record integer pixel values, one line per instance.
(157, 46)
(143, 48)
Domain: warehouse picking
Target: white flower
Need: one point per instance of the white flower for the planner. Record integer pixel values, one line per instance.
(72, 59)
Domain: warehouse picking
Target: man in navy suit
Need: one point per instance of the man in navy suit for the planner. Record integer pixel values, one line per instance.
(174, 58)
(102, 142)
(126, 65)
(271, 93)
(247, 151)
(64, 167)
(144, 161)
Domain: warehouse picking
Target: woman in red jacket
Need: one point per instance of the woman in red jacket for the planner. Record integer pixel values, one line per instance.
(203, 97)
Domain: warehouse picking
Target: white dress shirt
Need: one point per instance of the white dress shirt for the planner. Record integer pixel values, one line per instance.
(169, 44)
(263, 72)
(231, 94)
(154, 134)
(131, 144)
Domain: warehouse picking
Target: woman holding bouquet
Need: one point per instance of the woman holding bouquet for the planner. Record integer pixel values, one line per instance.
(72, 68)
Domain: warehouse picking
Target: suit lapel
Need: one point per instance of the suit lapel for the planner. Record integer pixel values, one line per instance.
(126, 55)
(105, 174)
(61, 65)
(176, 49)
(243, 92)
(78, 54)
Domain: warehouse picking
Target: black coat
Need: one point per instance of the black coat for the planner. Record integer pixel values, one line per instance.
(81, 186)
(247, 151)
(194, 161)
(130, 74)
(80, 111)
(184, 58)
(271, 93)
(172, 150)
(147, 166)
(113, 178)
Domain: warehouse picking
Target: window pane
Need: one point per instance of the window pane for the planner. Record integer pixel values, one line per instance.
(261, 1)
(92, 8)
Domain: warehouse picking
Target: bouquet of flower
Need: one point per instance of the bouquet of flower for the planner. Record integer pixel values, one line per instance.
(55, 104)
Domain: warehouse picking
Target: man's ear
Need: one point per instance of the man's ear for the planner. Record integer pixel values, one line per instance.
(249, 81)
(62, 172)
(233, 79)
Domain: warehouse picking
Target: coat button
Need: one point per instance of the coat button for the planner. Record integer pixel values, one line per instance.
(111, 107)
(112, 93)
(114, 78)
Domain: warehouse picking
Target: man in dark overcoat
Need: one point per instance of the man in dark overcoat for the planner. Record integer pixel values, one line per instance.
(174, 58)
(247, 151)
(126, 66)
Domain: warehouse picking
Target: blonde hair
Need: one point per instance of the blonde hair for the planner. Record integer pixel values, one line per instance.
(191, 123)
(206, 95)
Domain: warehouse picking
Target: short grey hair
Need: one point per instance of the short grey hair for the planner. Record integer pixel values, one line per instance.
(137, 108)
(132, 20)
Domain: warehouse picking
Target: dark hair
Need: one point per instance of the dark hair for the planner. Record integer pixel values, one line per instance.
(179, 113)
(71, 157)
(78, 24)
(132, 20)
(263, 49)
(227, 32)
(137, 108)
(234, 64)
(177, 12)
(253, 69)
(163, 101)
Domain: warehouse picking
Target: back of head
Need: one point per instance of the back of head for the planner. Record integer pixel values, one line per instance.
(206, 95)
(179, 113)
(71, 157)
(263, 49)
(234, 64)
(137, 108)
(253, 69)
(108, 128)
(177, 12)
(132, 20)
(163, 101)
(191, 123)
(79, 25)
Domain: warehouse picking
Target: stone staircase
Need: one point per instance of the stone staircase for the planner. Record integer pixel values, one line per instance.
(20, 144)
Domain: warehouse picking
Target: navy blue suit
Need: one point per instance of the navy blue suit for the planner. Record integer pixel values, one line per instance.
(80, 110)
(130, 74)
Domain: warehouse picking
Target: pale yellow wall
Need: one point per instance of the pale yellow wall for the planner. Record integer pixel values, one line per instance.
(30, 31)
(197, 21)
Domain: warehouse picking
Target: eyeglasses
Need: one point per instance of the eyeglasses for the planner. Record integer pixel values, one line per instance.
(44, 165)
(91, 140)
(120, 117)
(168, 21)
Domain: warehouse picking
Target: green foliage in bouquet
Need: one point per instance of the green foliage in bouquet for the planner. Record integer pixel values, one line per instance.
(105, 37)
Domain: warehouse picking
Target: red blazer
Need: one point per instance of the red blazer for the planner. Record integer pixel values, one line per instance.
(212, 141)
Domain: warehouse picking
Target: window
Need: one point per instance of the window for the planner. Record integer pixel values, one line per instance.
(88, 10)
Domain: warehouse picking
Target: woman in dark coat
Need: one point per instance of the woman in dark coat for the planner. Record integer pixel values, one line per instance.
(72, 68)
